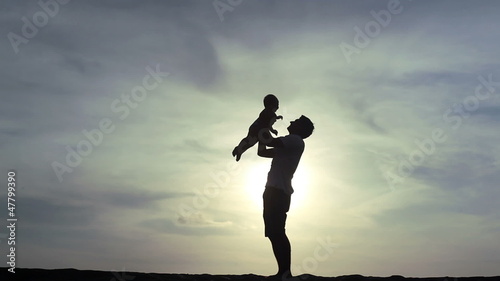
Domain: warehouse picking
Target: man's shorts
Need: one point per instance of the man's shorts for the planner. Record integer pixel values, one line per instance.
(276, 204)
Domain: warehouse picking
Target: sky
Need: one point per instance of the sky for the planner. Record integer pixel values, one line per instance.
(119, 118)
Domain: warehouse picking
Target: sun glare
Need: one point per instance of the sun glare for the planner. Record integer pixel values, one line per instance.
(256, 181)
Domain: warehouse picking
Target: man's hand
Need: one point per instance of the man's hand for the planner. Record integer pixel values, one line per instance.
(269, 153)
(262, 151)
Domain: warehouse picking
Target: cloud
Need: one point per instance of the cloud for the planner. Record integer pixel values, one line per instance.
(490, 113)
(40, 211)
(198, 219)
(196, 224)
(136, 199)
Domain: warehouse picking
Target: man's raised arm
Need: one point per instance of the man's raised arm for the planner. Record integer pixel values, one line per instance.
(269, 153)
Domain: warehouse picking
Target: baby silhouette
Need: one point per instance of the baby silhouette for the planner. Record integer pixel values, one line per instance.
(260, 128)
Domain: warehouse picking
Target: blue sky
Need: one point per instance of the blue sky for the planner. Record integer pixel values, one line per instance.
(400, 176)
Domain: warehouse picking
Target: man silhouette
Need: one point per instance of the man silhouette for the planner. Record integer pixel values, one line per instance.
(286, 152)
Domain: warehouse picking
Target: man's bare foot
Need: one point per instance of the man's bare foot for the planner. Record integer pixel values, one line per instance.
(281, 277)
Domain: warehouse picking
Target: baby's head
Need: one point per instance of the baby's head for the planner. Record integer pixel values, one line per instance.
(271, 102)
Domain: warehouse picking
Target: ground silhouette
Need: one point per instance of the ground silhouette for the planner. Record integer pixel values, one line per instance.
(70, 274)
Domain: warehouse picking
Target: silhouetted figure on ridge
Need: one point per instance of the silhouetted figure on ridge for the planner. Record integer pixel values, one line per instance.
(286, 152)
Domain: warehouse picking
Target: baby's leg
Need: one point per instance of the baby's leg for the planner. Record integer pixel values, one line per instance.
(244, 145)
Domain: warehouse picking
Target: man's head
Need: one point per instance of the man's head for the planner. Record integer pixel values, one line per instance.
(302, 127)
(271, 102)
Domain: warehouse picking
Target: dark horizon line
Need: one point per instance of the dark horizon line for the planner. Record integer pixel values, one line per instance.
(30, 273)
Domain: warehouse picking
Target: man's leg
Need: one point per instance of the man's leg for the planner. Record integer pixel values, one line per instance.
(282, 252)
(276, 205)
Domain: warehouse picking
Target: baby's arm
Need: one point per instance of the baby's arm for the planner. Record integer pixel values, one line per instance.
(269, 117)
(273, 120)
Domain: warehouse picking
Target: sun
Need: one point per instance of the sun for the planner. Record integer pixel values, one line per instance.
(256, 181)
